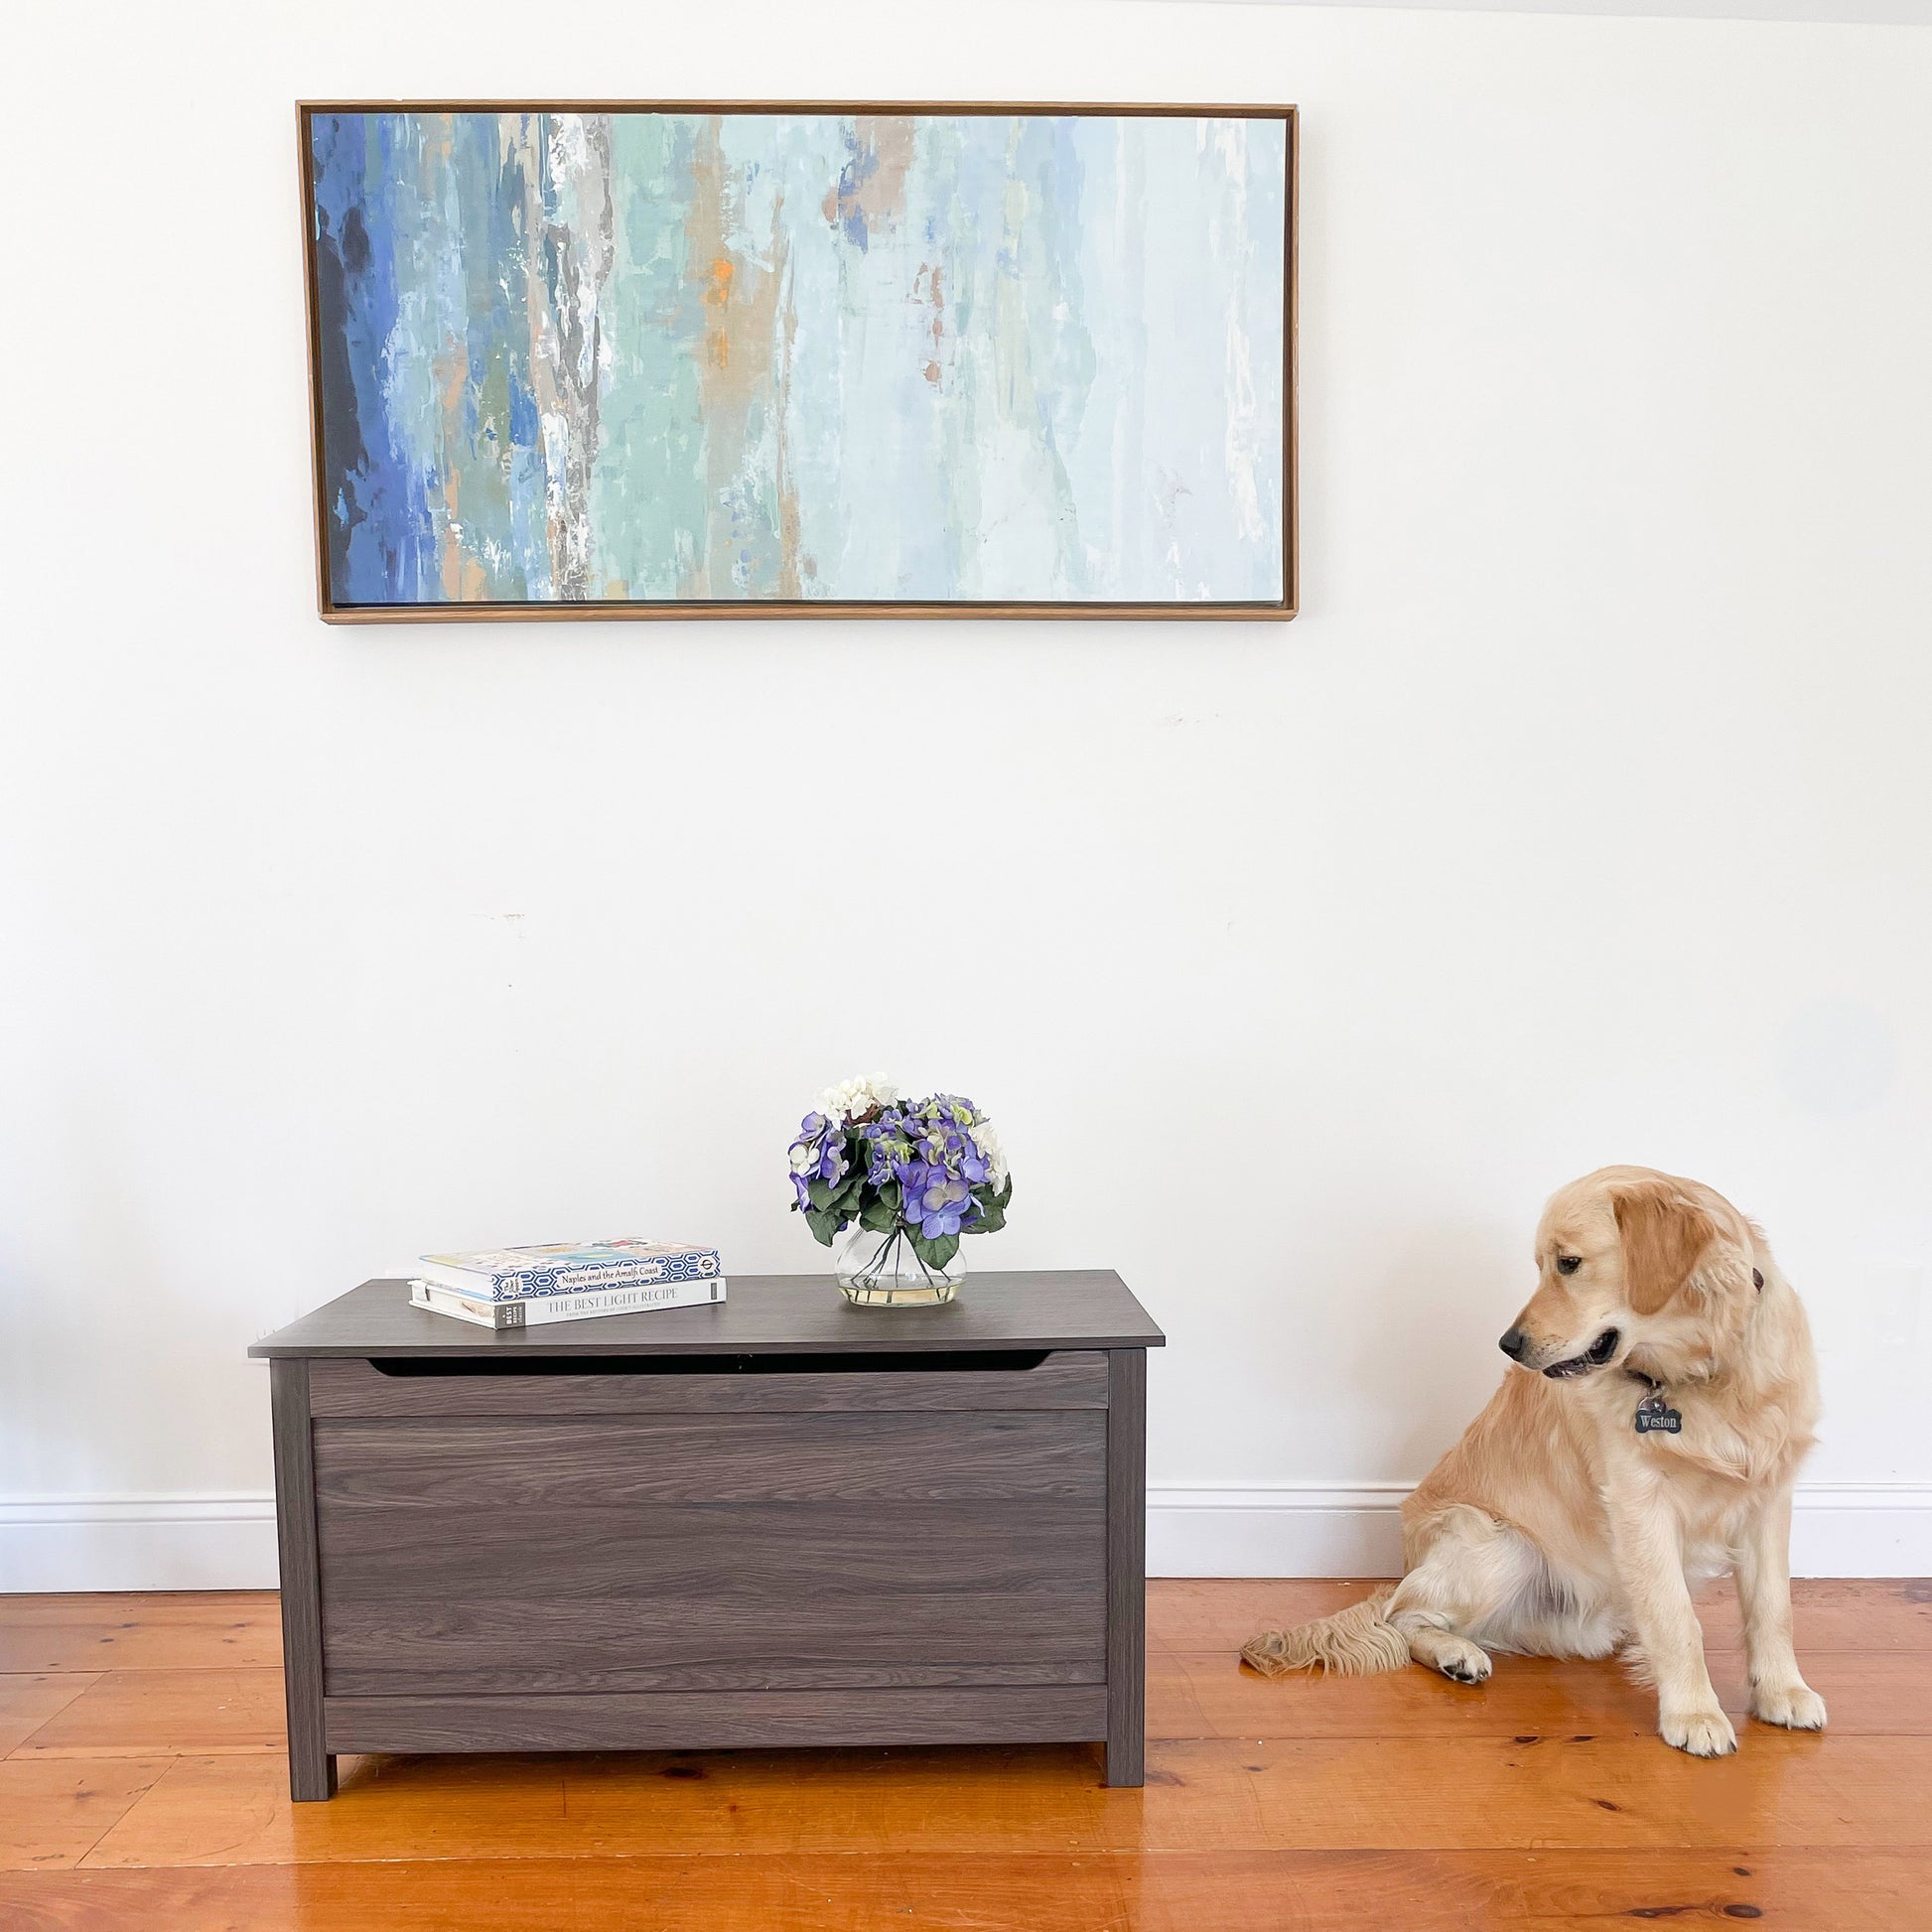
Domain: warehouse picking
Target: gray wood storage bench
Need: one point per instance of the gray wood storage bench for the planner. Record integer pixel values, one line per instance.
(776, 1521)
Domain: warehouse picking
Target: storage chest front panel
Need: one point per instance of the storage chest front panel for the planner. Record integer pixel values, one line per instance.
(624, 1553)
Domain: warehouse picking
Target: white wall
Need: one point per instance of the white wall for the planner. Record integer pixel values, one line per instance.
(1582, 816)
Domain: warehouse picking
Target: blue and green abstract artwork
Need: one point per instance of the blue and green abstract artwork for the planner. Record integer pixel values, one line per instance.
(587, 359)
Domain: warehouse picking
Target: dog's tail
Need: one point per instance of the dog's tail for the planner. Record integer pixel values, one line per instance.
(1356, 1643)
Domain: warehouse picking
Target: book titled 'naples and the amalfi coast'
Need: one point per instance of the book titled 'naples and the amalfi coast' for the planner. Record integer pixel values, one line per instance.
(567, 1268)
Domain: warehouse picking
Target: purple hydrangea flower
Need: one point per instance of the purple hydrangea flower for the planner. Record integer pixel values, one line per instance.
(937, 1203)
(940, 1154)
(818, 1154)
(946, 1145)
(970, 1162)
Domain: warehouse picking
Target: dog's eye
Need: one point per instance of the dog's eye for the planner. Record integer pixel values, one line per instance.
(1569, 1264)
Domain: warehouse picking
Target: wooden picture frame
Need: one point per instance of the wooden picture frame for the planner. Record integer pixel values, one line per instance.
(334, 345)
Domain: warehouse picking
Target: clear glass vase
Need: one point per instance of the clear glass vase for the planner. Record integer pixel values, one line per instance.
(882, 1271)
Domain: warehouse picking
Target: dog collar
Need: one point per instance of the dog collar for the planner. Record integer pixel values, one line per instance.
(1653, 1411)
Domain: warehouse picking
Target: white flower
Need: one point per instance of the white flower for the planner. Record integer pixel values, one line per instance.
(851, 1098)
(986, 1138)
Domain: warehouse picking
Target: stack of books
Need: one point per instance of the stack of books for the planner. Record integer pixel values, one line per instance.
(519, 1288)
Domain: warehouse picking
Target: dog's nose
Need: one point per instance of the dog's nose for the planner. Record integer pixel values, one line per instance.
(1513, 1344)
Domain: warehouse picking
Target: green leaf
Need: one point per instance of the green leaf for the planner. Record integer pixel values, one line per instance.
(820, 1192)
(824, 1224)
(993, 1208)
(881, 1217)
(935, 1254)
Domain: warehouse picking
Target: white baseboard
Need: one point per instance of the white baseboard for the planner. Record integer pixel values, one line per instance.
(1274, 1528)
(180, 1542)
(1352, 1529)
(1254, 1529)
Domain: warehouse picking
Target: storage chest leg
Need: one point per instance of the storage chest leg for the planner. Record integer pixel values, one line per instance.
(311, 1771)
(1127, 1565)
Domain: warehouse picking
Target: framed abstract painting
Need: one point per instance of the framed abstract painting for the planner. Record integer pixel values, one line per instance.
(622, 359)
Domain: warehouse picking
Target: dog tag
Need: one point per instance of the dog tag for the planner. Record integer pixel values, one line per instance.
(1653, 1413)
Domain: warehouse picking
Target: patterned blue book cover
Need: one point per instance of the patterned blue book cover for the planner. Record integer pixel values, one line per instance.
(568, 1267)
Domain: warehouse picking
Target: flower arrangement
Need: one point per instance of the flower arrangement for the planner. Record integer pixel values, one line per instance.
(917, 1172)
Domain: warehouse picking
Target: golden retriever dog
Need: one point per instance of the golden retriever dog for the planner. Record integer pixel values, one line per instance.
(1646, 1438)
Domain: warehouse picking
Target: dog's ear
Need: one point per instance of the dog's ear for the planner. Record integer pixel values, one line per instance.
(1663, 1235)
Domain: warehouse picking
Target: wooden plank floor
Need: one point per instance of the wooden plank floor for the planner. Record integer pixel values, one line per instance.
(141, 1785)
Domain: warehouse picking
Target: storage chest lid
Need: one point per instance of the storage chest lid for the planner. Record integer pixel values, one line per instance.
(778, 1313)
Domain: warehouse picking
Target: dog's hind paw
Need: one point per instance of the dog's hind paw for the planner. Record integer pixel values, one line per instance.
(1704, 1733)
(1796, 1706)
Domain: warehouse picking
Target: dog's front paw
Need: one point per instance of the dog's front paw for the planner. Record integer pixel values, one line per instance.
(1465, 1662)
(1795, 1705)
(1704, 1733)
(1455, 1657)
